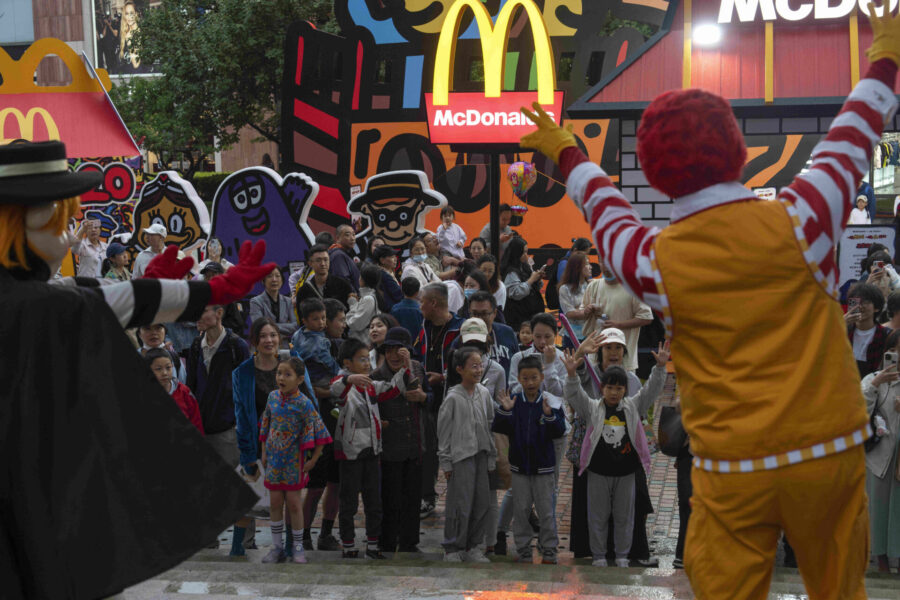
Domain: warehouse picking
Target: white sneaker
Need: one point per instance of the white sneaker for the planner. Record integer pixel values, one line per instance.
(600, 562)
(475, 555)
(622, 562)
(453, 557)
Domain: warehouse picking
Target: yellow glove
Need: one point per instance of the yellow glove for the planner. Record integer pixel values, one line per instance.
(549, 139)
(885, 35)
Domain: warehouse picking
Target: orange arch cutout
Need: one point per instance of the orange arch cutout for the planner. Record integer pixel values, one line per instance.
(18, 75)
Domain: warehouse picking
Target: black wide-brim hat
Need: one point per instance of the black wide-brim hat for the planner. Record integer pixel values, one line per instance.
(396, 337)
(33, 173)
(394, 185)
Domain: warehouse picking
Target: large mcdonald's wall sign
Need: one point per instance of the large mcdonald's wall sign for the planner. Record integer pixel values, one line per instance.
(398, 91)
(470, 117)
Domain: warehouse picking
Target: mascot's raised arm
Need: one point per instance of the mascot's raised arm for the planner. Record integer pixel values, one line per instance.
(103, 482)
(770, 391)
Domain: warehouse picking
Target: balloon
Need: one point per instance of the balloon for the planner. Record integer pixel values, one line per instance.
(522, 176)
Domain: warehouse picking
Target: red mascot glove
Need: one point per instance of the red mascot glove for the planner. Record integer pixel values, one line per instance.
(237, 281)
(167, 265)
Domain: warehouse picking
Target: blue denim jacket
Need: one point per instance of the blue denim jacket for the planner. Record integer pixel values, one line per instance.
(315, 350)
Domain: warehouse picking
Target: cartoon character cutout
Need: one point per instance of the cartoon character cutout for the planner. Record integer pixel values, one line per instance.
(395, 204)
(173, 203)
(613, 431)
(257, 203)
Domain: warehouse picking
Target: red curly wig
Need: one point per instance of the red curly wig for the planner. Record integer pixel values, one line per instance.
(689, 140)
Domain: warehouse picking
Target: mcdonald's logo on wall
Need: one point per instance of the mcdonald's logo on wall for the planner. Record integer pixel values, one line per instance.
(492, 116)
(25, 125)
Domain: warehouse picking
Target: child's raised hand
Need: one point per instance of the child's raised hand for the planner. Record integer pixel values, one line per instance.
(358, 380)
(505, 401)
(662, 354)
(547, 410)
(571, 362)
(591, 344)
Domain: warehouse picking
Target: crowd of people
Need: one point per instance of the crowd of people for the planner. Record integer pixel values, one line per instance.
(373, 376)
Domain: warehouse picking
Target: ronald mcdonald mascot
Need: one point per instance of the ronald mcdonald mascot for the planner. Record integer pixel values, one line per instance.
(770, 390)
(103, 481)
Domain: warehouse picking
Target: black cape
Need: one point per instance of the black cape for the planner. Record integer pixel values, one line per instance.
(103, 482)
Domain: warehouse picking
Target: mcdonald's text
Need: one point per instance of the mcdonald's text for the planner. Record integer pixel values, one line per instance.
(470, 117)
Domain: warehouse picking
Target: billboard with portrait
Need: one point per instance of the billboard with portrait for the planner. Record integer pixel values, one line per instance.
(115, 23)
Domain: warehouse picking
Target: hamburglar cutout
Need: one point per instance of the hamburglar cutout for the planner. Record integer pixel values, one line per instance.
(103, 482)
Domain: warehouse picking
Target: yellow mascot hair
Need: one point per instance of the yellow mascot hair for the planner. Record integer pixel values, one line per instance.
(12, 229)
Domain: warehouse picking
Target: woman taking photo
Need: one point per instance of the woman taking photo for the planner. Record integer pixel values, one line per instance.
(214, 255)
(523, 284)
(571, 291)
(378, 328)
(882, 392)
(487, 264)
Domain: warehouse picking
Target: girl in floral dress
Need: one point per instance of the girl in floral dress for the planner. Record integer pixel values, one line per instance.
(290, 427)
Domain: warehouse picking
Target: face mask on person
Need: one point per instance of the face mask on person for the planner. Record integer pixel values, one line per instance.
(419, 258)
(609, 278)
(469, 293)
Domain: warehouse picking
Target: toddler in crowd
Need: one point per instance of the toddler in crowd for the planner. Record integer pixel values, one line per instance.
(614, 451)
(450, 235)
(160, 362)
(532, 424)
(290, 426)
(466, 453)
(524, 333)
(358, 441)
(313, 346)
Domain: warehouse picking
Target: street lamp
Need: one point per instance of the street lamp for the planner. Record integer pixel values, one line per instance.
(707, 35)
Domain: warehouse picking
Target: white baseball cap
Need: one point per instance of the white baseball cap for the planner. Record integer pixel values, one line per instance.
(156, 229)
(473, 329)
(613, 336)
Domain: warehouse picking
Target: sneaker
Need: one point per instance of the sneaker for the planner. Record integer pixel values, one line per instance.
(622, 562)
(678, 563)
(453, 557)
(426, 508)
(549, 560)
(328, 542)
(375, 554)
(350, 553)
(525, 558)
(239, 551)
(600, 562)
(307, 543)
(275, 555)
(475, 555)
(645, 563)
(500, 546)
(299, 557)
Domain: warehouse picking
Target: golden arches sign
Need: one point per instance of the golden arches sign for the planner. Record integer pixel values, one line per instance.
(25, 123)
(494, 38)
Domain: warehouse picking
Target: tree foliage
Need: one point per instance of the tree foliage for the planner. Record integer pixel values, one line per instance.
(220, 64)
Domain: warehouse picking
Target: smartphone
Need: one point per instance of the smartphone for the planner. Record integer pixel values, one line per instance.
(879, 264)
(890, 359)
(413, 384)
(853, 305)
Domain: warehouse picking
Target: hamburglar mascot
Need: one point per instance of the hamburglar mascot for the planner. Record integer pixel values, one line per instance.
(103, 482)
(769, 385)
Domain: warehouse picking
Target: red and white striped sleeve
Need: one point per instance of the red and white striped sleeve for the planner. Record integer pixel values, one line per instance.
(622, 240)
(820, 200)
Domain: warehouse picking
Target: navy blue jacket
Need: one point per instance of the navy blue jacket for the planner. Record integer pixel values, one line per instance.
(531, 434)
(213, 388)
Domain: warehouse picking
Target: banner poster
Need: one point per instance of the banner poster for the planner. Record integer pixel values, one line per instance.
(115, 23)
(855, 244)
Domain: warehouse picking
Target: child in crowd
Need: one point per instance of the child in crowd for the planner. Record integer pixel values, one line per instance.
(362, 310)
(466, 453)
(532, 425)
(154, 336)
(335, 324)
(311, 343)
(543, 334)
(450, 235)
(160, 363)
(525, 337)
(614, 451)
(408, 313)
(358, 441)
(289, 427)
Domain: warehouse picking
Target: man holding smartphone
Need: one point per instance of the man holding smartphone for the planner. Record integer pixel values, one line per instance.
(864, 301)
(89, 249)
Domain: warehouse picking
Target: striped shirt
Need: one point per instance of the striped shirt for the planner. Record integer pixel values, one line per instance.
(147, 301)
(819, 201)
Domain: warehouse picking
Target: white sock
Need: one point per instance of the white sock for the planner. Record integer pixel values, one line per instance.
(298, 539)
(277, 530)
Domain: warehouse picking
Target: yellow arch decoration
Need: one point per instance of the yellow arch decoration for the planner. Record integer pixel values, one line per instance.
(18, 75)
(494, 39)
